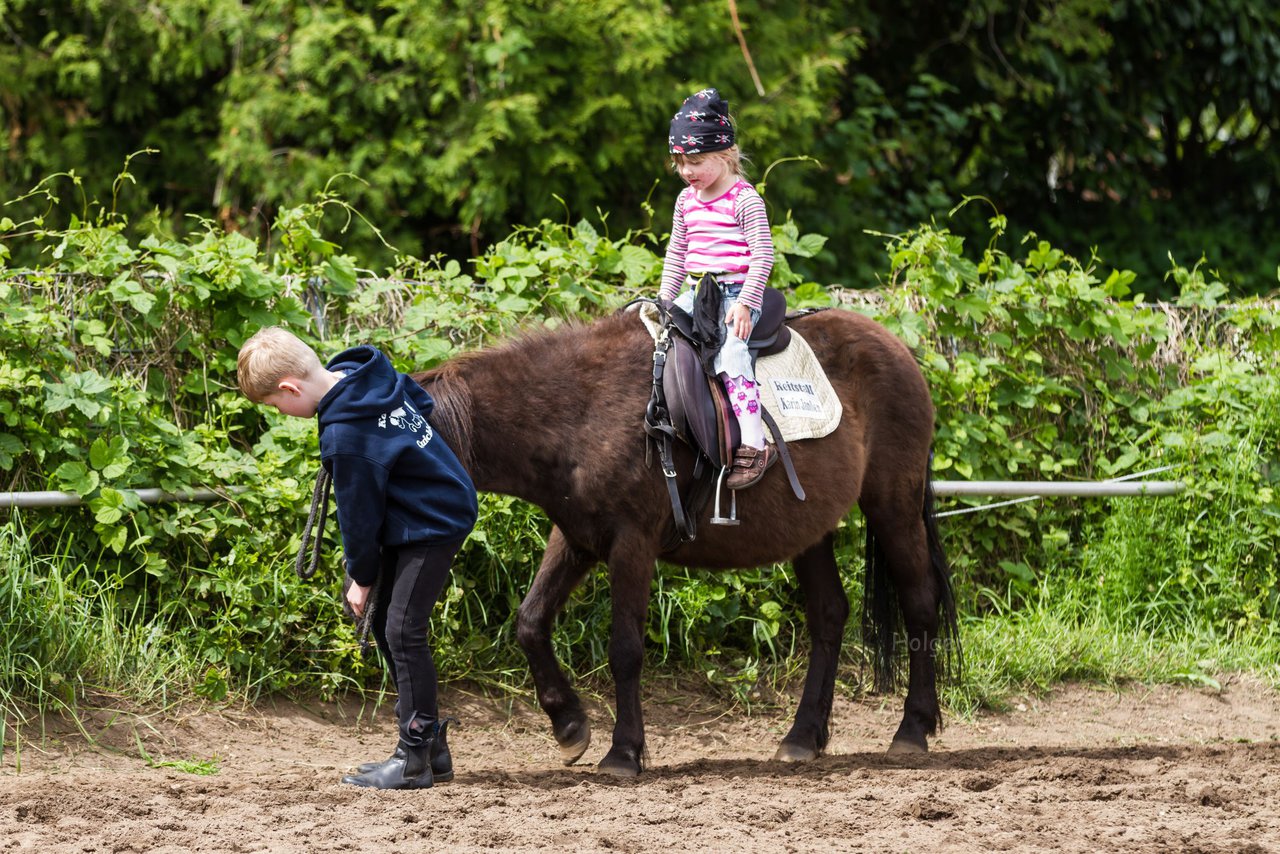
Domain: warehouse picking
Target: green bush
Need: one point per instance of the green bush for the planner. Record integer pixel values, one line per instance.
(1045, 368)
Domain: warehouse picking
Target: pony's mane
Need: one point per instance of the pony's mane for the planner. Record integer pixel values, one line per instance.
(526, 353)
(452, 414)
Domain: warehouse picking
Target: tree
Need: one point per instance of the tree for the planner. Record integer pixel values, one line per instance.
(1140, 126)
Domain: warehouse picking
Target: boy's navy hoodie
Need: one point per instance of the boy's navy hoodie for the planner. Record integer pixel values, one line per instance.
(395, 480)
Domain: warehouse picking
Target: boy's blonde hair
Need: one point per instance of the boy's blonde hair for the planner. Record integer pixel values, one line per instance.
(733, 156)
(268, 357)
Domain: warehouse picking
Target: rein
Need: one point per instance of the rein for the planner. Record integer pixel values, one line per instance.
(313, 542)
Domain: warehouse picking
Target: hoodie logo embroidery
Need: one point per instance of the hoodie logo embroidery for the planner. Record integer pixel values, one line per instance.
(408, 418)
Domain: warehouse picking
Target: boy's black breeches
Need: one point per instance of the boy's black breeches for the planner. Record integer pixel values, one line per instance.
(412, 578)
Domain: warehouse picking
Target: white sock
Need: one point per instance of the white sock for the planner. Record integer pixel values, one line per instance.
(744, 396)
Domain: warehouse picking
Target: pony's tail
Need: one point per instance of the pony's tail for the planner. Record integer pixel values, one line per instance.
(882, 618)
(948, 656)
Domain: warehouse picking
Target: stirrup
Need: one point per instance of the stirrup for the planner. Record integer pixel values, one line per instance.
(732, 518)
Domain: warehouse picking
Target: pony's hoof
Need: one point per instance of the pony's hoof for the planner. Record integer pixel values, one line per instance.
(617, 764)
(574, 742)
(902, 747)
(794, 753)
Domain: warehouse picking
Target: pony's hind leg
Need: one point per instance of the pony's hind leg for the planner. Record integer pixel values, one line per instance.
(563, 567)
(906, 565)
(827, 610)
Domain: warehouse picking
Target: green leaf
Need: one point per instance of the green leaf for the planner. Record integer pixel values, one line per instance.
(912, 327)
(1117, 284)
(809, 295)
(809, 245)
(99, 453)
(10, 447)
(972, 307)
(214, 687)
(73, 476)
(108, 506)
(110, 457)
(79, 390)
(1196, 678)
(57, 398)
(340, 271)
(1125, 461)
(637, 264)
(514, 304)
(114, 537)
(1018, 570)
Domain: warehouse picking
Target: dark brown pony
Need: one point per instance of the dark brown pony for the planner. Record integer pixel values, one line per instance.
(555, 418)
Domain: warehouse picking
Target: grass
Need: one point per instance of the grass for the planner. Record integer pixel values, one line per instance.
(199, 767)
(1041, 644)
(65, 633)
(1154, 591)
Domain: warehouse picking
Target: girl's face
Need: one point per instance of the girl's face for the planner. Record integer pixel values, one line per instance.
(704, 173)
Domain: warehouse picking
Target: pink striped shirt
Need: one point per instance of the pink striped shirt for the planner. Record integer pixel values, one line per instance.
(728, 235)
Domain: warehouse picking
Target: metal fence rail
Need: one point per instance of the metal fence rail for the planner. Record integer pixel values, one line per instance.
(1030, 490)
(146, 496)
(1050, 488)
(1026, 489)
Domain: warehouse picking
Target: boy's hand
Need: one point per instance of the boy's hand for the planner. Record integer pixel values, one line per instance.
(738, 319)
(357, 596)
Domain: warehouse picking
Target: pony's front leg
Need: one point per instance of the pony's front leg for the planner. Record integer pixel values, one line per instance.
(630, 576)
(563, 567)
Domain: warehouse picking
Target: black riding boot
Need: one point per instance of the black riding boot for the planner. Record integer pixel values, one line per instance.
(398, 753)
(411, 772)
(441, 761)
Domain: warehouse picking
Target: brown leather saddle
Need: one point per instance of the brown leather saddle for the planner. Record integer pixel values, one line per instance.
(689, 404)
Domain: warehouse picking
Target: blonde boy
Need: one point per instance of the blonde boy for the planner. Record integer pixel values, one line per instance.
(405, 505)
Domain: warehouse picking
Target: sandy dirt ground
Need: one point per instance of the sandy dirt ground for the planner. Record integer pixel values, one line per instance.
(1082, 769)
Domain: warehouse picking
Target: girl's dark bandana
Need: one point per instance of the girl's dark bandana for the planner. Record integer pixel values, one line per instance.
(701, 125)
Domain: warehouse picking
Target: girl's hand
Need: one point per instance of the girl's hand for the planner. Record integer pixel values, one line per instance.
(739, 320)
(357, 596)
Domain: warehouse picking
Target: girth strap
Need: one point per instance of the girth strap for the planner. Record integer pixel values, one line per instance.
(783, 452)
(657, 423)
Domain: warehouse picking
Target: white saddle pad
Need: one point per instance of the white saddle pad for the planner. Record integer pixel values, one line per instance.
(793, 387)
(796, 392)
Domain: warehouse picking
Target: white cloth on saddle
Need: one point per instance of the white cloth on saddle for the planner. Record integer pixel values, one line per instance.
(793, 387)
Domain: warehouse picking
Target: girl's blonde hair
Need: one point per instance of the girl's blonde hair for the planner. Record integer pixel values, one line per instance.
(733, 156)
(268, 357)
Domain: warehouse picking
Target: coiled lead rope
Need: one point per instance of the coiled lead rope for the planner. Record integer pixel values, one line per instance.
(313, 534)
(313, 542)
